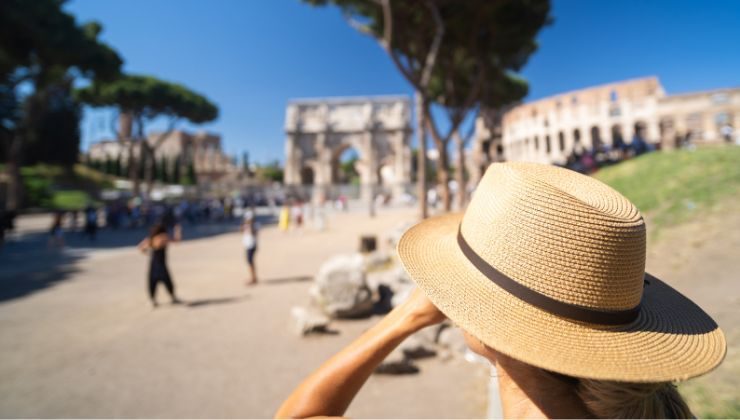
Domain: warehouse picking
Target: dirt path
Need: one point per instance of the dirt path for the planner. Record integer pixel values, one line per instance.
(702, 260)
(90, 345)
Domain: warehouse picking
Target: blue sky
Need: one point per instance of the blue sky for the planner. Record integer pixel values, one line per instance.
(251, 56)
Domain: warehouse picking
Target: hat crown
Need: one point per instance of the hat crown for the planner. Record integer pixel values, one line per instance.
(559, 233)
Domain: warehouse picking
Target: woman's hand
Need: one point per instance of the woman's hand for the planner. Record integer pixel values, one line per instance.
(420, 312)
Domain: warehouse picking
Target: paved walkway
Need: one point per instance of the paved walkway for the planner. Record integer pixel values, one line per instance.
(79, 339)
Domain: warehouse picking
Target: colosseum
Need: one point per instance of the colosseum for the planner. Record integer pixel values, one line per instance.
(607, 116)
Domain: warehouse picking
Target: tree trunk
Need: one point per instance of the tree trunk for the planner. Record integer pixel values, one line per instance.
(149, 161)
(462, 191)
(133, 169)
(421, 167)
(13, 169)
(443, 176)
(443, 162)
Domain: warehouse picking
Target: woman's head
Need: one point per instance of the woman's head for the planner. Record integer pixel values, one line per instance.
(548, 266)
(157, 229)
(603, 399)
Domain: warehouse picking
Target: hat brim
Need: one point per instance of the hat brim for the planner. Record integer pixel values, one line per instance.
(672, 339)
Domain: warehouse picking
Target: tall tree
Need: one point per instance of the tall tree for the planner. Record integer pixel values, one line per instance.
(52, 132)
(472, 46)
(411, 33)
(39, 44)
(147, 98)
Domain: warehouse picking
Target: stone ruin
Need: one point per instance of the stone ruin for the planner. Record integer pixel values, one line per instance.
(359, 285)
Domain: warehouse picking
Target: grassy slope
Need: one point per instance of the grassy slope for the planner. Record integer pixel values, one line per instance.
(51, 186)
(671, 187)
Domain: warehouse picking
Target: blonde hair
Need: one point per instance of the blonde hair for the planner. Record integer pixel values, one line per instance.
(607, 399)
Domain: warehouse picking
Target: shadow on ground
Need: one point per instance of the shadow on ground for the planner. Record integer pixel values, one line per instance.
(198, 303)
(284, 280)
(28, 264)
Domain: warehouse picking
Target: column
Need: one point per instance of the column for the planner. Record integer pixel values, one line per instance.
(369, 176)
(401, 162)
(322, 169)
(292, 166)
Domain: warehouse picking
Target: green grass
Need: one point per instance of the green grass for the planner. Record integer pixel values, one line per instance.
(57, 188)
(671, 187)
(707, 404)
(70, 200)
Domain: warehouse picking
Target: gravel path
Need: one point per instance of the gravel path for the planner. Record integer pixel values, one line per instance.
(79, 339)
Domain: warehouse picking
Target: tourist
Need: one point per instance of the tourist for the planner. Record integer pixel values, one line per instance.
(284, 218)
(545, 275)
(91, 222)
(156, 244)
(249, 240)
(56, 233)
(74, 220)
(297, 213)
(726, 132)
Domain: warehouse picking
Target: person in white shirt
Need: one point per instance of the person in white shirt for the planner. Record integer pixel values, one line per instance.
(249, 240)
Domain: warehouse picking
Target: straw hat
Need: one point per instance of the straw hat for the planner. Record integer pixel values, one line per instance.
(548, 266)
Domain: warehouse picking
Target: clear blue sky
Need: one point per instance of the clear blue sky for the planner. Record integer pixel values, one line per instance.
(251, 56)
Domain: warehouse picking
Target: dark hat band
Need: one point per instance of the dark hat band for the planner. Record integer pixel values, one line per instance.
(544, 302)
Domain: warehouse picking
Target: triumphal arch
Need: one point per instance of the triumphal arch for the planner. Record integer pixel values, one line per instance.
(319, 131)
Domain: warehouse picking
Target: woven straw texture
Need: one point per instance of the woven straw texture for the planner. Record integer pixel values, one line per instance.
(573, 239)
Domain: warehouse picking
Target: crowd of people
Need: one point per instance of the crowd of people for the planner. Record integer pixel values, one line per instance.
(586, 160)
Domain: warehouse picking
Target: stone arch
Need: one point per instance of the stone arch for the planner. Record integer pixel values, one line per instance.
(307, 175)
(595, 137)
(378, 129)
(561, 141)
(337, 175)
(640, 129)
(617, 136)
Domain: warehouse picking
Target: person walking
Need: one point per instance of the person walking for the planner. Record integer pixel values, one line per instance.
(156, 245)
(284, 218)
(249, 240)
(545, 274)
(56, 233)
(91, 222)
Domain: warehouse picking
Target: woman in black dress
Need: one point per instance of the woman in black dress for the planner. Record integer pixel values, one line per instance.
(157, 242)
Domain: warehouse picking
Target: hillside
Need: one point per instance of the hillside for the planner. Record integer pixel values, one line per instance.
(56, 188)
(672, 187)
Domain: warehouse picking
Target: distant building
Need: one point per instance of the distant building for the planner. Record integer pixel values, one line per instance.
(203, 150)
(549, 129)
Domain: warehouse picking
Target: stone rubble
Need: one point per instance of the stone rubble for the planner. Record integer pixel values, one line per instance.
(359, 285)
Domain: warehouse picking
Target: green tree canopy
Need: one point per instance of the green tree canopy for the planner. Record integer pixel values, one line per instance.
(476, 47)
(42, 46)
(149, 97)
(36, 36)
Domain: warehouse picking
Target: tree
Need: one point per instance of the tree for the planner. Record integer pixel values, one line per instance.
(108, 165)
(176, 170)
(411, 33)
(190, 177)
(52, 133)
(455, 54)
(40, 44)
(147, 98)
(117, 166)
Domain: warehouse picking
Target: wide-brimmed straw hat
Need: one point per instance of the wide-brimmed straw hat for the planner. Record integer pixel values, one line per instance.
(548, 266)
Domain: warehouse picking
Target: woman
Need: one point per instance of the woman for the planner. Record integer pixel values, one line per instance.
(158, 271)
(284, 218)
(249, 240)
(56, 233)
(545, 273)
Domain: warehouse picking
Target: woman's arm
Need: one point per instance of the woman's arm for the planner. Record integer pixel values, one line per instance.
(144, 245)
(177, 233)
(330, 389)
